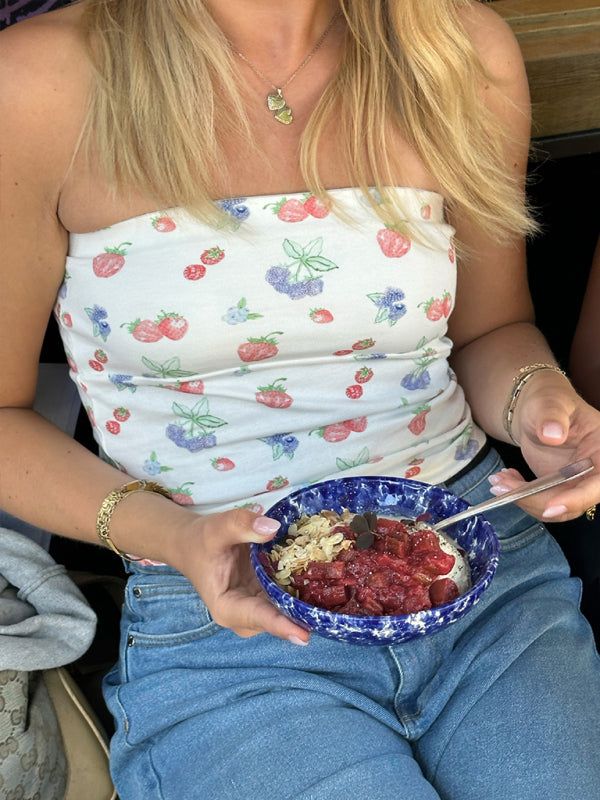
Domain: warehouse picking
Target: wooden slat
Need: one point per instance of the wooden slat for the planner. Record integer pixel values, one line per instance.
(560, 42)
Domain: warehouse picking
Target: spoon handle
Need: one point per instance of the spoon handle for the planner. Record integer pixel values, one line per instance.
(564, 474)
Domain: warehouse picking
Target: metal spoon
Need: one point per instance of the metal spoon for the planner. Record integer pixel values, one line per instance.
(564, 474)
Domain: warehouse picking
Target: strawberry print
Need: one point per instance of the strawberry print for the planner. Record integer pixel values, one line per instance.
(172, 325)
(239, 313)
(291, 210)
(193, 272)
(315, 207)
(452, 253)
(101, 356)
(301, 276)
(277, 483)
(152, 465)
(414, 468)
(363, 344)
(393, 243)
(191, 387)
(256, 508)
(354, 392)
(163, 224)
(144, 330)
(390, 305)
(222, 464)
(363, 375)
(121, 414)
(182, 495)
(98, 317)
(96, 365)
(212, 256)
(282, 445)
(66, 320)
(112, 426)
(343, 353)
(274, 395)
(321, 315)
(438, 307)
(193, 429)
(259, 349)
(358, 424)
(447, 304)
(418, 422)
(111, 261)
(425, 211)
(334, 432)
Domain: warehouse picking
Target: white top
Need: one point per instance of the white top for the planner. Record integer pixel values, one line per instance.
(288, 347)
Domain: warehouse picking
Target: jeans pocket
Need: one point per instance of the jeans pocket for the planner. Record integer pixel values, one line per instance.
(164, 610)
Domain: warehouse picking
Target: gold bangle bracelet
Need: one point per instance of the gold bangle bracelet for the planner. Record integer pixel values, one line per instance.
(519, 381)
(109, 504)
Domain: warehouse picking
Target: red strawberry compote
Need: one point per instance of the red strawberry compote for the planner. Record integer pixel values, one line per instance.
(368, 566)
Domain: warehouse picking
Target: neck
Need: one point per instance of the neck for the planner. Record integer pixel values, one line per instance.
(274, 34)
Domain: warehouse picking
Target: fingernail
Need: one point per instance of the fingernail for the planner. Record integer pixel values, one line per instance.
(552, 430)
(297, 640)
(265, 525)
(554, 511)
(496, 490)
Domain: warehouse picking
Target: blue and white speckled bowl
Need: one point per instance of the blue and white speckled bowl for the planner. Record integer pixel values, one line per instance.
(387, 497)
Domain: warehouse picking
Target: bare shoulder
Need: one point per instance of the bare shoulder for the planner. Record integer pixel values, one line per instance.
(494, 41)
(44, 84)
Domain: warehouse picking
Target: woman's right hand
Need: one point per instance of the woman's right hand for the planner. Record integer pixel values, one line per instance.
(214, 553)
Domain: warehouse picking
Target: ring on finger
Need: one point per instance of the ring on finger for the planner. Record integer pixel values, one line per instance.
(590, 513)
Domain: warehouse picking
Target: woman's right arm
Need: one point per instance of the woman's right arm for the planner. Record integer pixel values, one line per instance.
(46, 478)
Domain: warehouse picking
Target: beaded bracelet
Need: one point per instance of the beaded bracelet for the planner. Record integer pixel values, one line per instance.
(109, 504)
(519, 382)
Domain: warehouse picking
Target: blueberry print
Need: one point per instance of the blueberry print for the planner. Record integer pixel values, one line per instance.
(193, 430)
(300, 277)
(420, 378)
(237, 210)
(123, 382)
(100, 326)
(152, 466)
(239, 313)
(282, 444)
(390, 305)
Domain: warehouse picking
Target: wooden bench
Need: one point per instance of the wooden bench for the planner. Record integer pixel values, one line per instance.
(560, 42)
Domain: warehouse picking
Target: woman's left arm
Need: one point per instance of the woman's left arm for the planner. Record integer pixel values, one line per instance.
(492, 325)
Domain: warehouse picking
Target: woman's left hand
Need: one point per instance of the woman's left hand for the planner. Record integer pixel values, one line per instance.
(554, 429)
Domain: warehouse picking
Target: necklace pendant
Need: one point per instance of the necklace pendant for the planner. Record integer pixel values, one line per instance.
(275, 101)
(284, 115)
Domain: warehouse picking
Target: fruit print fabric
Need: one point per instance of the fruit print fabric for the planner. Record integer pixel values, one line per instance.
(283, 348)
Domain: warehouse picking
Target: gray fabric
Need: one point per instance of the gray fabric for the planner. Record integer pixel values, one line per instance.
(45, 621)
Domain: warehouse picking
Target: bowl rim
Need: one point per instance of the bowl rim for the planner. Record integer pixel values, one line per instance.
(471, 594)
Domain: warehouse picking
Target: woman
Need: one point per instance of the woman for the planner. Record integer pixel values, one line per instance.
(291, 323)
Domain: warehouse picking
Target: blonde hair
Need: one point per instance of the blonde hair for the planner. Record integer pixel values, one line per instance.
(165, 83)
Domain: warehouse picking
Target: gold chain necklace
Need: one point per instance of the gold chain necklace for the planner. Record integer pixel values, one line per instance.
(275, 100)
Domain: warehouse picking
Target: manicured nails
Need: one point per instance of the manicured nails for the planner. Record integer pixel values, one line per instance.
(265, 525)
(497, 490)
(554, 511)
(552, 430)
(297, 640)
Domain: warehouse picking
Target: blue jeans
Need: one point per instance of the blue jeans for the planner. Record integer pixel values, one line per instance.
(503, 704)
